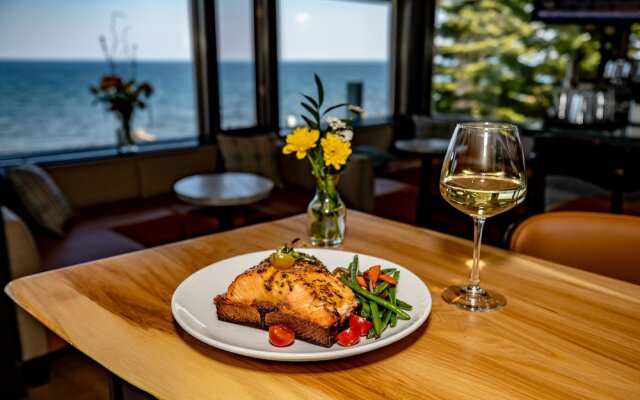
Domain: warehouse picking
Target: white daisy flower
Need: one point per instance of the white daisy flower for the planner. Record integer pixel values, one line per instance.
(336, 123)
(345, 135)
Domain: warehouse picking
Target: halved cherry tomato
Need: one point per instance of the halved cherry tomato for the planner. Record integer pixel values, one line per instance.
(281, 335)
(360, 324)
(348, 337)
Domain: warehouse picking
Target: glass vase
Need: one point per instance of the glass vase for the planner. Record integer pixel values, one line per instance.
(126, 143)
(326, 214)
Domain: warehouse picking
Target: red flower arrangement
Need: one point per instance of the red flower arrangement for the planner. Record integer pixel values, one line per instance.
(122, 96)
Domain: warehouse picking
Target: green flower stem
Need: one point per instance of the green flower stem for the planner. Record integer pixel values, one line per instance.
(326, 212)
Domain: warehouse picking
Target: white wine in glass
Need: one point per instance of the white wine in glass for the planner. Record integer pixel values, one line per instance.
(483, 175)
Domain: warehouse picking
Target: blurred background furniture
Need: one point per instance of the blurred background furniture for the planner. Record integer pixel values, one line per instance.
(226, 190)
(585, 172)
(223, 189)
(431, 151)
(603, 243)
(396, 177)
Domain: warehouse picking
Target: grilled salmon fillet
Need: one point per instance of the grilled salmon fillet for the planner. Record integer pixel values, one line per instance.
(306, 297)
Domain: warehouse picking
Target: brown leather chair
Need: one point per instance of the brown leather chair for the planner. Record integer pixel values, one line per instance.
(606, 244)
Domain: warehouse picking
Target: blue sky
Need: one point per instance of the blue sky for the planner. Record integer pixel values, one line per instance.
(309, 29)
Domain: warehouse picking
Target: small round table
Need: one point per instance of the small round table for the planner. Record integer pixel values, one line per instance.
(225, 189)
(427, 149)
(228, 189)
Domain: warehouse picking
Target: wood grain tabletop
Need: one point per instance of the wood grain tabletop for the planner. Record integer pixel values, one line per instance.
(564, 334)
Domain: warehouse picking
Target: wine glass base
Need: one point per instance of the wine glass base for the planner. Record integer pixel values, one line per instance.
(473, 298)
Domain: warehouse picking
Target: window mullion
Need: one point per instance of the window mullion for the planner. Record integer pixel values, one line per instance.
(266, 64)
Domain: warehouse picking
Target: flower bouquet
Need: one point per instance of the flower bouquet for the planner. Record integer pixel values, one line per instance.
(328, 149)
(122, 97)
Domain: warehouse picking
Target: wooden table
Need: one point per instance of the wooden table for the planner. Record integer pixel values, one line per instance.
(564, 334)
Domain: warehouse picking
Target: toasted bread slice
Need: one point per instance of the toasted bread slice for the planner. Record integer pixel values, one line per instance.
(264, 315)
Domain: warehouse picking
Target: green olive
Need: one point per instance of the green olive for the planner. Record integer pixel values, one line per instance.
(282, 260)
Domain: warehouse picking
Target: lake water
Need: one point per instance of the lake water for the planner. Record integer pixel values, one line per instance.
(46, 105)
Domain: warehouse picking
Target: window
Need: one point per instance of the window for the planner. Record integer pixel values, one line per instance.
(491, 61)
(343, 42)
(50, 55)
(236, 63)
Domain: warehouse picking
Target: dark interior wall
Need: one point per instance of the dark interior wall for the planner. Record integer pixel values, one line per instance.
(11, 386)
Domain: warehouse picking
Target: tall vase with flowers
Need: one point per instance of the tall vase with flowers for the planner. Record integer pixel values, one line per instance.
(327, 147)
(122, 96)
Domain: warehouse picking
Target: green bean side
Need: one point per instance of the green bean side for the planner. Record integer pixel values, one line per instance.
(373, 298)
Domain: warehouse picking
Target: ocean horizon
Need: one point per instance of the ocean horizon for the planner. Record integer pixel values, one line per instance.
(45, 105)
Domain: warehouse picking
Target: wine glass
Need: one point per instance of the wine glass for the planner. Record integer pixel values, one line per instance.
(483, 175)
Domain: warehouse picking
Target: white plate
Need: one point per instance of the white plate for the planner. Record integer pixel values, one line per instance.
(193, 308)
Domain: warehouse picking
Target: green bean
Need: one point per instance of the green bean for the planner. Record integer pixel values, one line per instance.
(392, 298)
(365, 305)
(384, 323)
(371, 334)
(380, 288)
(393, 321)
(385, 320)
(375, 316)
(405, 306)
(392, 289)
(353, 268)
(373, 298)
(388, 270)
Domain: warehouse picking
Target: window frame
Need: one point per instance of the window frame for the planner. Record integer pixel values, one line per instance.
(411, 28)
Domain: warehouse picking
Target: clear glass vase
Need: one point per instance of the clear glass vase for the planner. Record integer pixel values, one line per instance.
(326, 214)
(126, 142)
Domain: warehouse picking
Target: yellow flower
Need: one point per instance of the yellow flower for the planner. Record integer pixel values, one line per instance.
(336, 151)
(301, 141)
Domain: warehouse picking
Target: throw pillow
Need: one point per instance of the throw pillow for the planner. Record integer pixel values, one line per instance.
(253, 154)
(41, 197)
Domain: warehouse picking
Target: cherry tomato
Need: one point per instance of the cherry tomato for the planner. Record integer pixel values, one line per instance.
(348, 337)
(282, 260)
(360, 324)
(281, 335)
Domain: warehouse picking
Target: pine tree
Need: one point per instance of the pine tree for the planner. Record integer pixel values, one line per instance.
(492, 61)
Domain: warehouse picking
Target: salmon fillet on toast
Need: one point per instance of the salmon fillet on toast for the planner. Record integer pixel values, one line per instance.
(299, 292)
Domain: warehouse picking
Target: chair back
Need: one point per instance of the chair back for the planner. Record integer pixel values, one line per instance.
(607, 244)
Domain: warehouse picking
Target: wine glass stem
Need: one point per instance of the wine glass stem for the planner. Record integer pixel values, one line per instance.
(474, 279)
